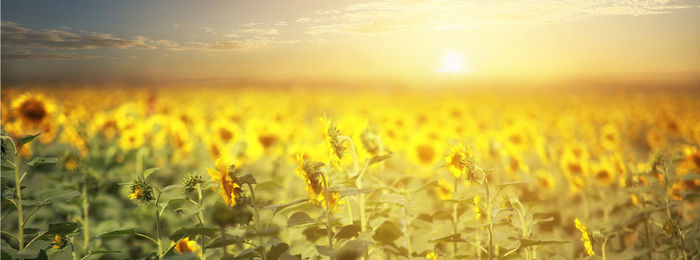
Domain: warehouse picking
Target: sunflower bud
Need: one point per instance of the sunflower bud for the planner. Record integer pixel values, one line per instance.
(141, 191)
(191, 181)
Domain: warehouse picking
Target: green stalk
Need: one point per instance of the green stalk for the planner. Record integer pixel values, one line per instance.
(328, 211)
(455, 219)
(18, 184)
(200, 215)
(488, 217)
(160, 248)
(86, 222)
(257, 218)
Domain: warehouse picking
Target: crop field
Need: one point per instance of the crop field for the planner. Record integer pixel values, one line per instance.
(255, 173)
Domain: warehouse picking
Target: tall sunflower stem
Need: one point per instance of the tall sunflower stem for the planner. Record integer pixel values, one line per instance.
(328, 211)
(160, 247)
(455, 219)
(18, 184)
(200, 215)
(257, 218)
(488, 217)
(86, 222)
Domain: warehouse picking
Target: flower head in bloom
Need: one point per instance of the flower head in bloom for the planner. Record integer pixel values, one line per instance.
(444, 189)
(431, 256)
(335, 147)
(585, 237)
(141, 191)
(184, 246)
(228, 188)
(59, 241)
(460, 160)
(32, 109)
(315, 187)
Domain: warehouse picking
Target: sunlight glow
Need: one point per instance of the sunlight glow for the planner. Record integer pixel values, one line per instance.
(453, 62)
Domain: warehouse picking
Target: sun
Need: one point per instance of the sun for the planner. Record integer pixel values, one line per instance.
(453, 62)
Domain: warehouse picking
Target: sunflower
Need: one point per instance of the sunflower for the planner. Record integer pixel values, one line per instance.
(229, 189)
(315, 187)
(132, 138)
(59, 241)
(459, 160)
(335, 146)
(585, 238)
(184, 246)
(33, 110)
(444, 189)
(610, 137)
(35, 113)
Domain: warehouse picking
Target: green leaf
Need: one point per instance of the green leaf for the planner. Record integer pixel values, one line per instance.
(62, 228)
(52, 196)
(529, 242)
(299, 218)
(377, 159)
(171, 187)
(26, 139)
(278, 207)
(353, 249)
(149, 171)
(449, 238)
(277, 250)
(101, 251)
(387, 232)
(395, 199)
(348, 231)
(247, 179)
(193, 232)
(118, 232)
(223, 241)
(327, 251)
(42, 160)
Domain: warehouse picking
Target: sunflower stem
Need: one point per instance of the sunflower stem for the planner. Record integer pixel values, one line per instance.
(160, 248)
(200, 215)
(455, 219)
(328, 211)
(18, 184)
(86, 223)
(257, 218)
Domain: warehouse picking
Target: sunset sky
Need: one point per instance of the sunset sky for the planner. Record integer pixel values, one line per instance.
(349, 40)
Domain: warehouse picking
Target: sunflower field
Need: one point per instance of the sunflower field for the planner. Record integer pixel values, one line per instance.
(251, 173)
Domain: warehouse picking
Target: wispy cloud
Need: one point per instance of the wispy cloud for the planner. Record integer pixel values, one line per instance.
(39, 56)
(14, 34)
(392, 15)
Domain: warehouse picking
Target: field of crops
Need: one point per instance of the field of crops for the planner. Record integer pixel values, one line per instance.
(215, 173)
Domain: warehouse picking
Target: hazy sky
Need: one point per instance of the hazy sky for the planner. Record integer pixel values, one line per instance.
(348, 40)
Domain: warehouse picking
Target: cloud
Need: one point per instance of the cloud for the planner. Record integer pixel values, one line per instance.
(14, 34)
(391, 15)
(31, 56)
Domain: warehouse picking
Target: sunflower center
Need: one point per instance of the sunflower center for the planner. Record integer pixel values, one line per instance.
(33, 110)
(267, 140)
(426, 153)
(225, 134)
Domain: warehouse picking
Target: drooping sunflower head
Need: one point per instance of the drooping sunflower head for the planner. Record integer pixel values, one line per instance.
(223, 175)
(141, 191)
(460, 160)
(311, 172)
(585, 237)
(184, 246)
(335, 146)
(371, 141)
